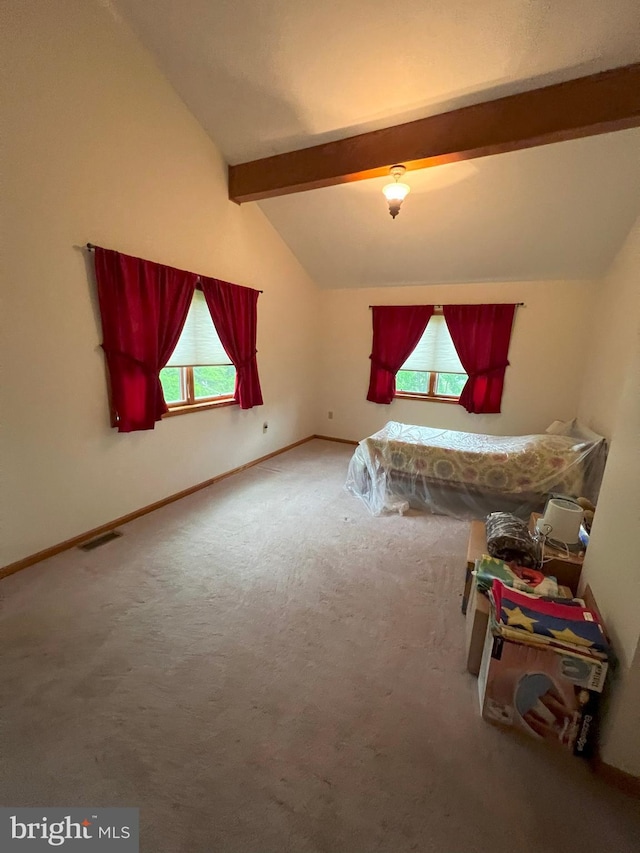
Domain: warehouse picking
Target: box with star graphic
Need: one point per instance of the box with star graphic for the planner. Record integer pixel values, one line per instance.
(570, 626)
(545, 692)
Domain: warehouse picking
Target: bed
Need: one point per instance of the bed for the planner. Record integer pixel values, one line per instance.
(468, 475)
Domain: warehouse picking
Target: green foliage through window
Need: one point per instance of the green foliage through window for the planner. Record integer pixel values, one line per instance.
(189, 385)
(412, 381)
(218, 381)
(171, 384)
(419, 382)
(450, 384)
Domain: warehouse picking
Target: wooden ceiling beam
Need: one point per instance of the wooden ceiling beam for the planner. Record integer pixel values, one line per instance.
(587, 106)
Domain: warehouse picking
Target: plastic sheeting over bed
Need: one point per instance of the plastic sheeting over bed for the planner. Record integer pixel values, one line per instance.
(469, 475)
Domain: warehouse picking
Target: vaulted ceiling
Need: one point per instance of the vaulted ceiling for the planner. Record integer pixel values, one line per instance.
(269, 76)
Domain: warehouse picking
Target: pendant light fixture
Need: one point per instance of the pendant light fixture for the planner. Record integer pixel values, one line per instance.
(396, 192)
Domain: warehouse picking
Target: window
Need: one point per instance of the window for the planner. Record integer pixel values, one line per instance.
(199, 373)
(433, 370)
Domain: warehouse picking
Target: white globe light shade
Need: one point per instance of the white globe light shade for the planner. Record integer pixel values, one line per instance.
(396, 191)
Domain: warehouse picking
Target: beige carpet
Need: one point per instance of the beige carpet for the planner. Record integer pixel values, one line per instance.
(265, 667)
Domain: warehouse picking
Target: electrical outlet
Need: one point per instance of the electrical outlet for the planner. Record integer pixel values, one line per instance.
(265, 426)
(330, 415)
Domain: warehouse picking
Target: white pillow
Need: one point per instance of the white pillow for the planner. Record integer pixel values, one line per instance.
(560, 428)
(574, 429)
(584, 433)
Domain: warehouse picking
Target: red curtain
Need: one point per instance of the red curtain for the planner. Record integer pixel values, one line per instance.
(396, 332)
(234, 311)
(143, 307)
(481, 336)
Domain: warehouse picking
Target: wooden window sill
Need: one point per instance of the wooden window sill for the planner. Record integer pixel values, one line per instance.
(426, 398)
(187, 408)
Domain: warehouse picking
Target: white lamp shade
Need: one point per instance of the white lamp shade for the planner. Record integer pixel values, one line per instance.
(561, 521)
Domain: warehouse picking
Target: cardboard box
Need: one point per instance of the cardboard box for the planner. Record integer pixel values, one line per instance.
(542, 692)
(477, 622)
(476, 547)
(476, 628)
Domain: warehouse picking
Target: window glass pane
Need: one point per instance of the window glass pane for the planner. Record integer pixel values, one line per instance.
(450, 384)
(218, 381)
(412, 381)
(171, 380)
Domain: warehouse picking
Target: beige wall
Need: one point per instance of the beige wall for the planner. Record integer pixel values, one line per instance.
(542, 384)
(611, 565)
(620, 745)
(615, 322)
(101, 149)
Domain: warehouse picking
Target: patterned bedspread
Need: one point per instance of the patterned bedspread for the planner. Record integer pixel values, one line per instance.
(504, 464)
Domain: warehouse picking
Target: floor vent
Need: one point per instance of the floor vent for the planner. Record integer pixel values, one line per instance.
(100, 540)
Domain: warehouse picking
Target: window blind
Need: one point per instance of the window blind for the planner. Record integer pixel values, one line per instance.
(435, 351)
(199, 344)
